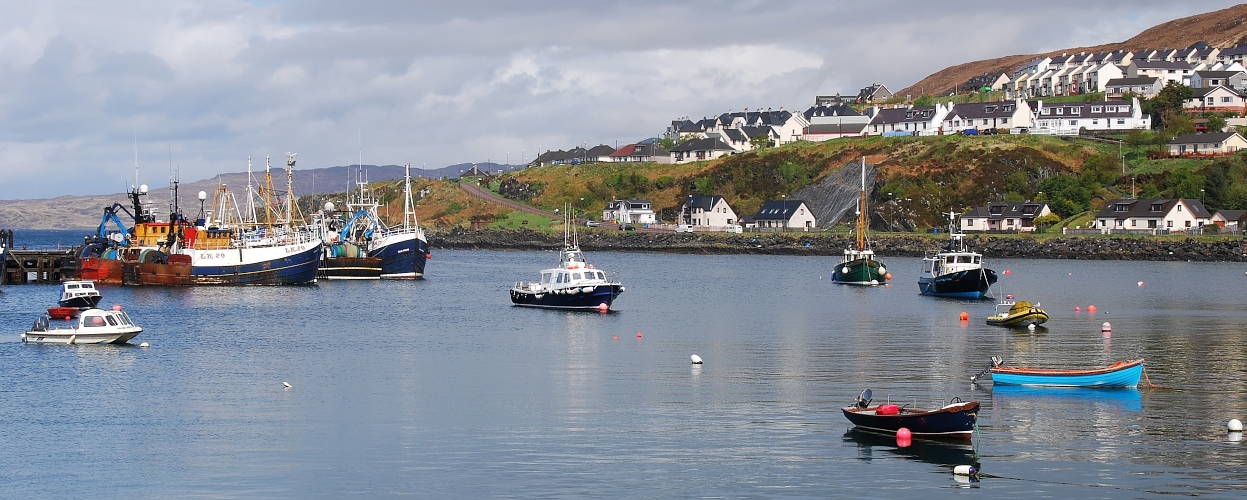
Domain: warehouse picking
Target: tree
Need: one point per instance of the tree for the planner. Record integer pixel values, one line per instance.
(924, 100)
(1047, 221)
(1176, 124)
(761, 141)
(1168, 102)
(1216, 123)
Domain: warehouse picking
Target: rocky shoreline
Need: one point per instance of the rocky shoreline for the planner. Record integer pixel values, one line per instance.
(1144, 248)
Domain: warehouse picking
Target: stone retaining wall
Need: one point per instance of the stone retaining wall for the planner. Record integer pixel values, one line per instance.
(1226, 249)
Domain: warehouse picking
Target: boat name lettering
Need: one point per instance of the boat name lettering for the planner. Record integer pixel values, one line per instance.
(296, 248)
(212, 255)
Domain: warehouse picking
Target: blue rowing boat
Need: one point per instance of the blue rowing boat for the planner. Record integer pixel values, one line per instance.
(1119, 374)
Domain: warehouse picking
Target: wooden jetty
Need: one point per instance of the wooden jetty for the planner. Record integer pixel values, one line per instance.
(39, 266)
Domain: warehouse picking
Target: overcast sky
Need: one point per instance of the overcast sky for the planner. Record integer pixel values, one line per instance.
(204, 85)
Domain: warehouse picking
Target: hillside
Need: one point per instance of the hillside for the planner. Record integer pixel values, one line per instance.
(1221, 28)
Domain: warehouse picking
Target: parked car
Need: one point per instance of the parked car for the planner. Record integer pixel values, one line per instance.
(627, 227)
(989, 131)
(734, 228)
(592, 223)
(970, 131)
(684, 228)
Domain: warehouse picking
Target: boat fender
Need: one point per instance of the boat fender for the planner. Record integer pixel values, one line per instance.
(883, 270)
(587, 289)
(844, 270)
(888, 409)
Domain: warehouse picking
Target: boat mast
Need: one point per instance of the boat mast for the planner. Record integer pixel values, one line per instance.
(409, 206)
(861, 212)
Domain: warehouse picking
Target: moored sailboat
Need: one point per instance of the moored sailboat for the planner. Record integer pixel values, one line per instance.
(859, 265)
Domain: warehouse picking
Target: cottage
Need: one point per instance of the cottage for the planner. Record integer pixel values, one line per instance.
(1145, 86)
(1219, 99)
(1207, 144)
(987, 115)
(1229, 219)
(700, 149)
(1004, 216)
(1152, 216)
(629, 212)
(707, 211)
(784, 215)
(647, 152)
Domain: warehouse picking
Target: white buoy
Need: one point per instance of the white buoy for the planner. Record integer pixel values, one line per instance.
(1106, 327)
(1235, 425)
(696, 359)
(144, 345)
(1031, 327)
(965, 470)
(287, 384)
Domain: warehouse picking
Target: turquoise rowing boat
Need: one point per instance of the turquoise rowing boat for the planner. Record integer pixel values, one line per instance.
(1119, 374)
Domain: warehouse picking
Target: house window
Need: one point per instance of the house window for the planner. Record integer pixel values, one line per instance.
(1121, 121)
(1119, 223)
(1227, 99)
(1168, 223)
(1043, 111)
(1073, 122)
(1095, 122)
(1156, 207)
(1060, 111)
(1134, 223)
(1188, 223)
(1179, 208)
(1096, 109)
(1121, 207)
(1075, 111)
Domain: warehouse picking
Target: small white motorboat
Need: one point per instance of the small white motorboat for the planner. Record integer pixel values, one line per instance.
(79, 294)
(95, 326)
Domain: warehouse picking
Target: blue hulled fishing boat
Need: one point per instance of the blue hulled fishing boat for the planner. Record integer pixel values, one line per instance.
(365, 247)
(955, 271)
(574, 284)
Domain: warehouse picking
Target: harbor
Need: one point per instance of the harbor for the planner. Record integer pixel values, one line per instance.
(462, 394)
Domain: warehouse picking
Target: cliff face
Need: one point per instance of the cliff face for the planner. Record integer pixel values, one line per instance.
(823, 244)
(1222, 28)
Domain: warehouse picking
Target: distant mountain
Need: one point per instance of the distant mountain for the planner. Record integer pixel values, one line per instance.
(1221, 29)
(75, 212)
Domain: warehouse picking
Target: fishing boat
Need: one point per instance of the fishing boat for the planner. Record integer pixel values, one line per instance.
(1119, 374)
(1019, 313)
(573, 284)
(955, 271)
(79, 294)
(859, 265)
(365, 247)
(954, 420)
(95, 326)
(213, 250)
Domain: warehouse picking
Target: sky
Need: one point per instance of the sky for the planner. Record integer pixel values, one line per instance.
(197, 87)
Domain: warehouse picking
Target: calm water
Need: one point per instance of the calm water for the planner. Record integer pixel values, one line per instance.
(439, 388)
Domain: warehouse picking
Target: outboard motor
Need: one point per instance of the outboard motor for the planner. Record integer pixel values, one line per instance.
(863, 399)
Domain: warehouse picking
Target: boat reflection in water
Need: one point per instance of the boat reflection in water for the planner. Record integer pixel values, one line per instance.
(1017, 396)
(934, 451)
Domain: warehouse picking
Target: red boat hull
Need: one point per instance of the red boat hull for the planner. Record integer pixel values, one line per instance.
(104, 271)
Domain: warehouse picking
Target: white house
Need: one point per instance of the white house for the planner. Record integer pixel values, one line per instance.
(1067, 118)
(1098, 76)
(833, 122)
(1217, 99)
(1228, 219)
(987, 115)
(1233, 54)
(701, 149)
(914, 120)
(629, 212)
(784, 215)
(1152, 216)
(1004, 216)
(1205, 144)
(1168, 71)
(707, 212)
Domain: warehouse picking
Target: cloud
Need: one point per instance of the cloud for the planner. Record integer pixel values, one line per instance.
(200, 86)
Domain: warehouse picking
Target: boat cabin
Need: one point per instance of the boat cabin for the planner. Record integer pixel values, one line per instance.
(97, 318)
(946, 263)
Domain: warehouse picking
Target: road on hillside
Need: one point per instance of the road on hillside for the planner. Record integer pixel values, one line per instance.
(490, 197)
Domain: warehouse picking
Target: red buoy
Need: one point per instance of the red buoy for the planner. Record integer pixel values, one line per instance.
(1077, 309)
(903, 433)
(1008, 272)
(638, 335)
(965, 316)
(1091, 308)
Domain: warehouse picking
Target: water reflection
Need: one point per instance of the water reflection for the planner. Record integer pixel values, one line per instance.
(1006, 397)
(931, 451)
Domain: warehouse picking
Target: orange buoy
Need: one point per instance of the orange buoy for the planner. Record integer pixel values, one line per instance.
(887, 276)
(615, 337)
(965, 316)
(67, 318)
(603, 307)
(1008, 272)
(1091, 309)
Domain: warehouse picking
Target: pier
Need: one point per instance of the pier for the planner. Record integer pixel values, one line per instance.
(38, 266)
